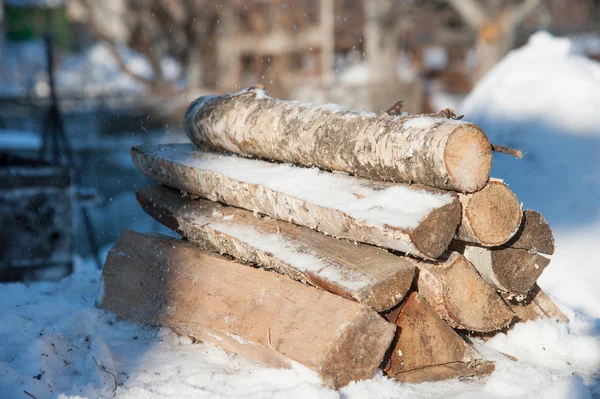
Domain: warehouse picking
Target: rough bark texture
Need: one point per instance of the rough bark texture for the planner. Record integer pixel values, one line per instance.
(437, 152)
(180, 166)
(491, 216)
(537, 305)
(361, 272)
(534, 234)
(260, 315)
(426, 348)
(460, 296)
(506, 269)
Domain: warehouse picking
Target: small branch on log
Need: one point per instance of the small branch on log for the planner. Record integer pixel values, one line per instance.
(507, 150)
(30, 395)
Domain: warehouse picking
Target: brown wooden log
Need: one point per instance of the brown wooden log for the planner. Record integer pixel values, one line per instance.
(534, 234)
(491, 216)
(536, 305)
(460, 296)
(508, 270)
(260, 315)
(401, 217)
(433, 151)
(360, 272)
(427, 349)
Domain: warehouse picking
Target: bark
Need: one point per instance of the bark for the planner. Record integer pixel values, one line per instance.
(534, 234)
(436, 152)
(460, 296)
(258, 314)
(491, 216)
(537, 305)
(426, 348)
(183, 167)
(362, 273)
(515, 266)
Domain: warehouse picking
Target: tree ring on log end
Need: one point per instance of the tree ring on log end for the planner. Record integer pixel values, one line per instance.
(494, 214)
(468, 158)
(434, 233)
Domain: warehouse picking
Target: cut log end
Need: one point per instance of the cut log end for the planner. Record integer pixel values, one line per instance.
(468, 158)
(534, 234)
(362, 345)
(517, 269)
(494, 214)
(434, 233)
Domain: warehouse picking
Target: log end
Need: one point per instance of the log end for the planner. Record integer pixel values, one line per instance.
(435, 232)
(494, 214)
(470, 302)
(390, 291)
(534, 234)
(468, 158)
(359, 351)
(517, 269)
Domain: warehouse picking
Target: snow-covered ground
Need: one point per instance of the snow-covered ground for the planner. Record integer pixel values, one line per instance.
(543, 99)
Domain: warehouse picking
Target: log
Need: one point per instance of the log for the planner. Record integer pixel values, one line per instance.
(534, 234)
(401, 217)
(536, 305)
(460, 296)
(360, 272)
(260, 315)
(434, 151)
(426, 348)
(509, 270)
(491, 216)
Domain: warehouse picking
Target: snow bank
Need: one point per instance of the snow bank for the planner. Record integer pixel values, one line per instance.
(544, 99)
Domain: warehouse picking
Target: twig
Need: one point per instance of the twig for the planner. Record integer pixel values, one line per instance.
(102, 368)
(30, 395)
(507, 150)
(269, 337)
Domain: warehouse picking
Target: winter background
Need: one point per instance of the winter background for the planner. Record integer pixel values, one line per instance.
(543, 98)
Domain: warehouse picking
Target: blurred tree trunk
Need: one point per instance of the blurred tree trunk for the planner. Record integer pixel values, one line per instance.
(495, 29)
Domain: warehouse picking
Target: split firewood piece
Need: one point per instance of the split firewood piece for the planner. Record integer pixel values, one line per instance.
(534, 234)
(536, 305)
(491, 216)
(426, 348)
(401, 217)
(509, 270)
(515, 266)
(460, 296)
(434, 151)
(360, 272)
(258, 314)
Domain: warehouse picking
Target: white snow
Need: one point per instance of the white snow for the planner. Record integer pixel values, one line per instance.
(396, 205)
(293, 254)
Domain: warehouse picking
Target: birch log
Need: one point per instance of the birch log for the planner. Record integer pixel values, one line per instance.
(260, 315)
(427, 349)
(534, 234)
(460, 296)
(515, 266)
(491, 216)
(360, 272)
(401, 217)
(436, 152)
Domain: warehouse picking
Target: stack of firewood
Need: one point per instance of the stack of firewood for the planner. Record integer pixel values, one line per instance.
(338, 240)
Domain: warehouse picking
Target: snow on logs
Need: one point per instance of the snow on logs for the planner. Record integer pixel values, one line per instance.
(434, 151)
(362, 273)
(412, 220)
(260, 315)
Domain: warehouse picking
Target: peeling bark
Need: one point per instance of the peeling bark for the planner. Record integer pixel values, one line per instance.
(436, 152)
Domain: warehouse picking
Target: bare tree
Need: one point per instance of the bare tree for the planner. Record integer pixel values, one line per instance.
(496, 24)
(156, 29)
